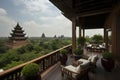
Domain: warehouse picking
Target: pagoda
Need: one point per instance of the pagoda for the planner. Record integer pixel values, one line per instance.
(17, 38)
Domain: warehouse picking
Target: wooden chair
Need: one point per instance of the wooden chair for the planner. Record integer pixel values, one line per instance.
(76, 72)
(93, 60)
(81, 71)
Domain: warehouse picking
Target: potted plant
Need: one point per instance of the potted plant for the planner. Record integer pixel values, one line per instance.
(31, 72)
(78, 53)
(63, 56)
(108, 61)
(81, 41)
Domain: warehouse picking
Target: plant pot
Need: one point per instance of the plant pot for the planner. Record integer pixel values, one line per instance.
(108, 64)
(63, 59)
(77, 57)
(37, 77)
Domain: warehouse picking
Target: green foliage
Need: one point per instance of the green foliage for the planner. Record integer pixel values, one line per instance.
(87, 39)
(107, 55)
(97, 38)
(36, 48)
(63, 51)
(29, 56)
(55, 44)
(21, 50)
(3, 47)
(8, 57)
(81, 41)
(24, 49)
(78, 51)
(30, 70)
(12, 64)
(29, 47)
(46, 45)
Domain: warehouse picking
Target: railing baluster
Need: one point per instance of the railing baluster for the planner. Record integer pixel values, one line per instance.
(54, 58)
(51, 59)
(12, 77)
(48, 61)
(16, 76)
(43, 64)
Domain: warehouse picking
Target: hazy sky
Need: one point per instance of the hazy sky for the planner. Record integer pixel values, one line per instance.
(36, 17)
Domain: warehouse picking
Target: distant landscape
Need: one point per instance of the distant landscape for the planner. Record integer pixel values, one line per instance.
(35, 48)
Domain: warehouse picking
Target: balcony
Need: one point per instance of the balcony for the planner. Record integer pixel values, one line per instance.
(51, 70)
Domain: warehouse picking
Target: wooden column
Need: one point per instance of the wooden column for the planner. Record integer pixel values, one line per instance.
(80, 32)
(106, 38)
(73, 34)
(104, 34)
(113, 21)
(116, 37)
(83, 32)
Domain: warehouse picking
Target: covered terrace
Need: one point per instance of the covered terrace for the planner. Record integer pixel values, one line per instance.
(93, 14)
(85, 14)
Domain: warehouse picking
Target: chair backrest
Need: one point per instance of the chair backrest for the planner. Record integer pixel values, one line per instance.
(84, 65)
(94, 59)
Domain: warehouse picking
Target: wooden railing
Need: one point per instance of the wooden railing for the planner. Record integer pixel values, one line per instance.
(44, 61)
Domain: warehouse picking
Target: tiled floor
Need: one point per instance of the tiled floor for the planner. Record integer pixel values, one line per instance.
(100, 73)
(54, 74)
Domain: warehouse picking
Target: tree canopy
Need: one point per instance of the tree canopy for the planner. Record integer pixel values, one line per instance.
(36, 48)
(97, 38)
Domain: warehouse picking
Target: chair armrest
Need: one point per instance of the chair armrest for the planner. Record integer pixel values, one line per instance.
(68, 70)
(74, 75)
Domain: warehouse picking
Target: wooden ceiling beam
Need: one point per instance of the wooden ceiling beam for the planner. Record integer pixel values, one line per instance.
(93, 2)
(83, 2)
(93, 8)
(93, 5)
(95, 12)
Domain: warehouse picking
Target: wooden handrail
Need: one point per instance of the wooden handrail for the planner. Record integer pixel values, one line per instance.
(17, 69)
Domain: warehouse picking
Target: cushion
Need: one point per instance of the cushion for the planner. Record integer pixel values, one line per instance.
(74, 69)
(94, 59)
(83, 60)
(84, 65)
(90, 58)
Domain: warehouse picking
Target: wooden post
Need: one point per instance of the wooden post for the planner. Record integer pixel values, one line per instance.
(83, 32)
(73, 34)
(106, 38)
(116, 37)
(79, 32)
(113, 21)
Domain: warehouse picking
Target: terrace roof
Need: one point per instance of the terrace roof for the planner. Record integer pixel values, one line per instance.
(90, 14)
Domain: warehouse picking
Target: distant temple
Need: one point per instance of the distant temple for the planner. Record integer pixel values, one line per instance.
(43, 35)
(17, 38)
